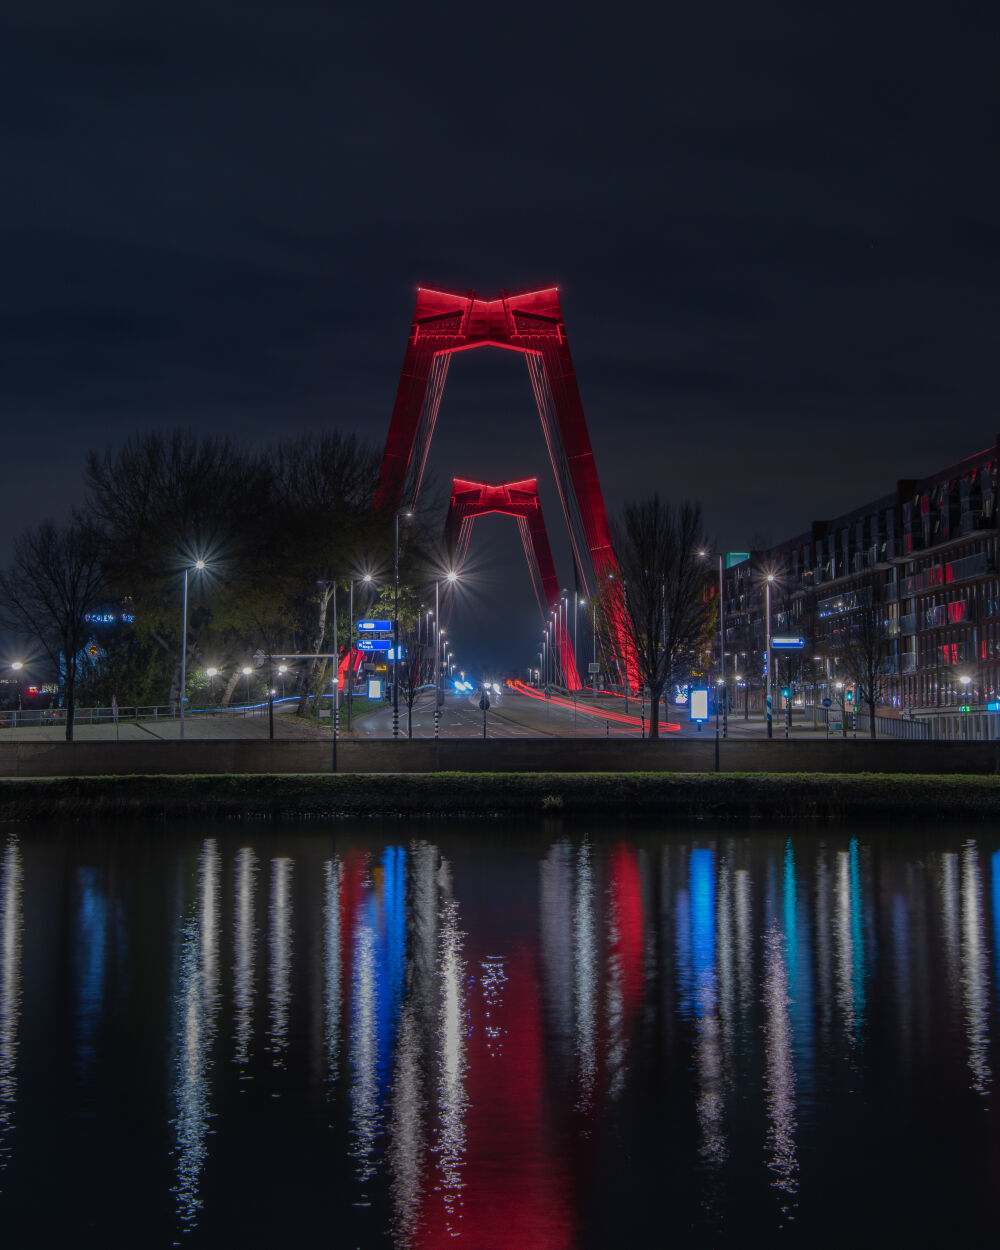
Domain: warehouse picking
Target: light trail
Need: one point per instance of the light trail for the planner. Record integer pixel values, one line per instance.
(619, 718)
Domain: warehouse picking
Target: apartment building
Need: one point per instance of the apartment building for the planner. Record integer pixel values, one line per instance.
(923, 559)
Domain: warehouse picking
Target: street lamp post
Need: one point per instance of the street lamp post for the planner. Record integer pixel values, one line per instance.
(199, 564)
(211, 674)
(16, 666)
(335, 711)
(246, 670)
(451, 577)
(350, 645)
(395, 628)
(767, 651)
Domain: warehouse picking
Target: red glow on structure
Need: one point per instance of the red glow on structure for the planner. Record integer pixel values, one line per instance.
(515, 1190)
(530, 323)
(625, 899)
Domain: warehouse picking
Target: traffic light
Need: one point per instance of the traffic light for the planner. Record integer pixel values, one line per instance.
(786, 692)
(849, 696)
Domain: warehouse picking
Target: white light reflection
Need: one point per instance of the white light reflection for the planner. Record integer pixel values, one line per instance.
(493, 978)
(951, 929)
(208, 927)
(333, 874)
(585, 943)
(280, 933)
(556, 910)
(244, 936)
(975, 971)
(727, 972)
(744, 943)
(196, 1003)
(11, 928)
(844, 942)
(779, 1069)
(452, 1025)
(406, 1137)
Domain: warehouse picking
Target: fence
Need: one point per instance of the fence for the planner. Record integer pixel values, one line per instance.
(33, 718)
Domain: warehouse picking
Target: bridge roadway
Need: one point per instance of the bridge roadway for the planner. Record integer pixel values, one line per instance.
(515, 714)
(511, 715)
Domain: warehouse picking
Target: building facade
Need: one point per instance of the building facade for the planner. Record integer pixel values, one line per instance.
(921, 563)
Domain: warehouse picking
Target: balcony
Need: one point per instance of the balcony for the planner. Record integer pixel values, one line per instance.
(908, 662)
(908, 624)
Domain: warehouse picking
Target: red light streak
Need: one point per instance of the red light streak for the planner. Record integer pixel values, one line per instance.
(618, 718)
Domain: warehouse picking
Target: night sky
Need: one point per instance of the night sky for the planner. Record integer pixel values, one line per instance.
(774, 228)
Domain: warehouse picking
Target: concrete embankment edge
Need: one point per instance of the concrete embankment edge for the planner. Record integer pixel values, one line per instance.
(752, 798)
(499, 755)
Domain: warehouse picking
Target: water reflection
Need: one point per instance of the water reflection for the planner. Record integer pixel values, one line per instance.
(450, 1144)
(585, 944)
(244, 939)
(90, 951)
(975, 970)
(280, 952)
(779, 1068)
(333, 884)
(850, 952)
(549, 1054)
(196, 1006)
(11, 926)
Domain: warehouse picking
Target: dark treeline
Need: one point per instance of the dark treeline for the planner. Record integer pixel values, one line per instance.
(276, 528)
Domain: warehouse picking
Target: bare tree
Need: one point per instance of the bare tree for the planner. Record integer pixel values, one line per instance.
(665, 613)
(412, 670)
(55, 579)
(861, 648)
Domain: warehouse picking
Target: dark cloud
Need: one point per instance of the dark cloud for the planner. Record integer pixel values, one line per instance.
(774, 227)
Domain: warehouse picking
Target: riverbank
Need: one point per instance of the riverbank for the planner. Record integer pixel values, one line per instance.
(741, 798)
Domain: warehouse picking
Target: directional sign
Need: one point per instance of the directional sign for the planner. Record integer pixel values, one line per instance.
(787, 642)
(374, 627)
(374, 644)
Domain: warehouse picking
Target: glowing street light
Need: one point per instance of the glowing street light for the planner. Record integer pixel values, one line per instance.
(767, 650)
(246, 670)
(211, 674)
(198, 564)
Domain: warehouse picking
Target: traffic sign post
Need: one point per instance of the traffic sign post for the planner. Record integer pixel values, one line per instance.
(374, 627)
(374, 644)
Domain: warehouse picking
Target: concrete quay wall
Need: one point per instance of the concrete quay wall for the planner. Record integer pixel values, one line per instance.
(80, 759)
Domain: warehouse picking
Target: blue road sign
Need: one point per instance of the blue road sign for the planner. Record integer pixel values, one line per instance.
(374, 644)
(787, 642)
(374, 627)
(828, 703)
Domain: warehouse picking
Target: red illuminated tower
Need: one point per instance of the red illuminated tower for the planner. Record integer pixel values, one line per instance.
(519, 500)
(532, 324)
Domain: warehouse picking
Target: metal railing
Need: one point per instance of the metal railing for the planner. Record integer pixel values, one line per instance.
(34, 718)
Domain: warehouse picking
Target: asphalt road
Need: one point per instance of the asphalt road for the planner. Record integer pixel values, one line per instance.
(511, 715)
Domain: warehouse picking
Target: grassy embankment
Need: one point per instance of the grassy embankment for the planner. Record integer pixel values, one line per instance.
(739, 797)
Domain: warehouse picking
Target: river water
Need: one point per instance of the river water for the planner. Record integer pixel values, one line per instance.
(432, 1035)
